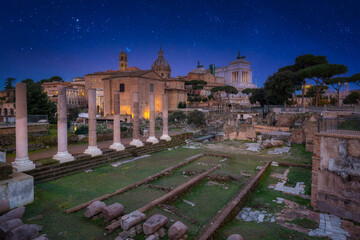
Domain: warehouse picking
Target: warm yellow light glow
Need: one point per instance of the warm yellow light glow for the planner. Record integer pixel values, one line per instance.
(146, 114)
(75, 128)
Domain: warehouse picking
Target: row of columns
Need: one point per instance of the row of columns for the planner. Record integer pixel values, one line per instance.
(22, 161)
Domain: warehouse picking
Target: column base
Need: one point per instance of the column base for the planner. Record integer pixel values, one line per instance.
(165, 137)
(152, 140)
(64, 157)
(136, 143)
(93, 151)
(117, 146)
(23, 164)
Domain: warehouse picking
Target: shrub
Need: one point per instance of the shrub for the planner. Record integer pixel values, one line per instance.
(83, 129)
(197, 118)
(177, 116)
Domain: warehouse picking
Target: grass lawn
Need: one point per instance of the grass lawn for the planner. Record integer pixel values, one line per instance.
(52, 198)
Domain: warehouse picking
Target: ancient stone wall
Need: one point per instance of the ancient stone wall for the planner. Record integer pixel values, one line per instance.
(336, 175)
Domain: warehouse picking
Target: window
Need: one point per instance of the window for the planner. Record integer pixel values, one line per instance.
(151, 87)
(162, 74)
(11, 111)
(122, 87)
(5, 111)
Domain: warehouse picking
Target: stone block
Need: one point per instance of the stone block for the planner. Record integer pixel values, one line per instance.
(13, 214)
(123, 236)
(152, 237)
(154, 223)
(27, 231)
(162, 232)
(4, 206)
(113, 211)
(5, 171)
(94, 209)
(131, 219)
(19, 189)
(6, 227)
(177, 230)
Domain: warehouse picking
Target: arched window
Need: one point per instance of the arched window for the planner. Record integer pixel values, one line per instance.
(0, 111)
(11, 111)
(151, 87)
(5, 111)
(122, 87)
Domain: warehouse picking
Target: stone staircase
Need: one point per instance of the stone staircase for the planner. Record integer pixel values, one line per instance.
(83, 161)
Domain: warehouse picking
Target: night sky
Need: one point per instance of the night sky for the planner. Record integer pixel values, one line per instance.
(40, 39)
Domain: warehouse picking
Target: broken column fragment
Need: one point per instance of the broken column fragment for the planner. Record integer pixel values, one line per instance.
(177, 231)
(112, 211)
(94, 209)
(131, 219)
(154, 223)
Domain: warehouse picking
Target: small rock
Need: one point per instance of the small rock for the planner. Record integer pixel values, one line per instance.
(113, 211)
(235, 237)
(177, 230)
(131, 219)
(27, 231)
(8, 226)
(13, 214)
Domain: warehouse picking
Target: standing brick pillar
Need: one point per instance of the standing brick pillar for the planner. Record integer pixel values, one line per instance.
(92, 149)
(116, 126)
(165, 135)
(22, 162)
(152, 139)
(136, 140)
(62, 155)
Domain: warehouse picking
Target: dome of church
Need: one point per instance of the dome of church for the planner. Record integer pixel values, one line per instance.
(160, 62)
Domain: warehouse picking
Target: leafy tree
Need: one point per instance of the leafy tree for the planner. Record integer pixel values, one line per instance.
(303, 62)
(337, 83)
(224, 89)
(352, 98)
(8, 83)
(38, 102)
(52, 79)
(257, 95)
(197, 118)
(355, 79)
(73, 113)
(311, 92)
(177, 116)
(280, 86)
(195, 85)
(322, 73)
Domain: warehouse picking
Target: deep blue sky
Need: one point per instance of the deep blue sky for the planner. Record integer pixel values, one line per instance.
(42, 38)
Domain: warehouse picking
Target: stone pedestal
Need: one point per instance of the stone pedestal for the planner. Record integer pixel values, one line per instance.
(92, 150)
(152, 139)
(136, 140)
(22, 161)
(62, 155)
(19, 189)
(165, 134)
(117, 127)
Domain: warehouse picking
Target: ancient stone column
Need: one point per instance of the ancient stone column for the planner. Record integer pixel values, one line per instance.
(92, 149)
(116, 127)
(165, 135)
(62, 155)
(136, 140)
(152, 138)
(22, 161)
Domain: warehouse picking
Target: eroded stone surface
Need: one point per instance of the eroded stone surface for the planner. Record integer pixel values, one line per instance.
(154, 223)
(113, 211)
(329, 226)
(13, 214)
(131, 219)
(94, 209)
(247, 215)
(177, 230)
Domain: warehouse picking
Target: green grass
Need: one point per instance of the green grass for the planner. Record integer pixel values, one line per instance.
(298, 174)
(305, 223)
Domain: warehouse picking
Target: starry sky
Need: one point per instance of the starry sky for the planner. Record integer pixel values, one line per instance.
(70, 38)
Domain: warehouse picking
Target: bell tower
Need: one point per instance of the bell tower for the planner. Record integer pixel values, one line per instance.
(123, 62)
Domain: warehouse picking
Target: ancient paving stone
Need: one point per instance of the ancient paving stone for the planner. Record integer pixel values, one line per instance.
(297, 190)
(131, 219)
(177, 230)
(274, 164)
(247, 215)
(254, 147)
(279, 150)
(154, 223)
(94, 209)
(279, 200)
(329, 226)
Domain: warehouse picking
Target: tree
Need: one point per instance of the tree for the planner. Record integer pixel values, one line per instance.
(177, 116)
(195, 86)
(197, 118)
(337, 83)
(38, 102)
(280, 86)
(311, 92)
(257, 95)
(352, 98)
(8, 83)
(226, 89)
(52, 79)
(321, 73)
(355, 79)
(303, 62)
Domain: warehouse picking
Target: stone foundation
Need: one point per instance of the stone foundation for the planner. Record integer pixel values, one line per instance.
(19, 189)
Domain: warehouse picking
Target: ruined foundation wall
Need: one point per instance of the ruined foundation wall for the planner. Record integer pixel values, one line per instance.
(336, 175)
